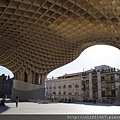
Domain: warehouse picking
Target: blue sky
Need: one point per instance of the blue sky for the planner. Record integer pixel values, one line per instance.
(89, 58)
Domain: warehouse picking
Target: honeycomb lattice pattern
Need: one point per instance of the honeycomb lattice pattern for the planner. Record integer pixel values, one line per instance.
(42, 35)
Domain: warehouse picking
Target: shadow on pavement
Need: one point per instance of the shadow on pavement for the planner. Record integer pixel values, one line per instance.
(3, 108)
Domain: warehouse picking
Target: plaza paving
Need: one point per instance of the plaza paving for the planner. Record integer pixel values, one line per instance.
(59, 108)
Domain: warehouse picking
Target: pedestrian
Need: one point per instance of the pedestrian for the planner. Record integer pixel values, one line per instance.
(65, 100)
(69, 100)
(94, 100)
(16, 101)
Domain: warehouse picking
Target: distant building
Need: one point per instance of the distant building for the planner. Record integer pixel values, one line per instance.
(100, 83)
(5, 86)
(103, 85)
(66, 86)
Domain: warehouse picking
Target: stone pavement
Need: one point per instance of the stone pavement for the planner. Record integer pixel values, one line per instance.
(59, 108)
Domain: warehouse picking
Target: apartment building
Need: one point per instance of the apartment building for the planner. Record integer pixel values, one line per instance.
(101, 83)
(66, 86)
(104, 82)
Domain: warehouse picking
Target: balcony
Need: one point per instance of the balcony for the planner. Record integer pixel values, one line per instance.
(54, 87)
(102, 78)
(108, 79)
(83, 88)
(94, 81)
(76, 86)
(59, 93)
(76, 93)
(59, 87)
(69, 93)
(64, 86)
(83, 82)
(69, 86)
(110, 95)
(111, 88)
(54, 93)
(95, 87)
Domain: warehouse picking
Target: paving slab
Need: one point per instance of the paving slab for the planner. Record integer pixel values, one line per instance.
(59, 108)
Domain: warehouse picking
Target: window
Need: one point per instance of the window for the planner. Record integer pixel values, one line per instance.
(112, 78)
(54, 87)
(64, 93)
(103, 93)
(76, 86)
(54, 93)
(50, 87)
(59, 87)
(113, 92)
(59, 93)
(102, 78)
(70, 86)
(64, 86)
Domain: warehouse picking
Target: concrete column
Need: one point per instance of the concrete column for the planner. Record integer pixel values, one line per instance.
(30, 76)
(90, 86)
(43, 78)
(15, 75)
(36, 78)
(33, 77)
(39, 78)
(99, 86)
(20, 75)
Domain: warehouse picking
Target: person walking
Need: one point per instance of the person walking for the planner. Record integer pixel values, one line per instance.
(16, 101)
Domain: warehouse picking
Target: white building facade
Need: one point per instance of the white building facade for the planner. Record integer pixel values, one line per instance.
(66, 86)
(101, 83)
